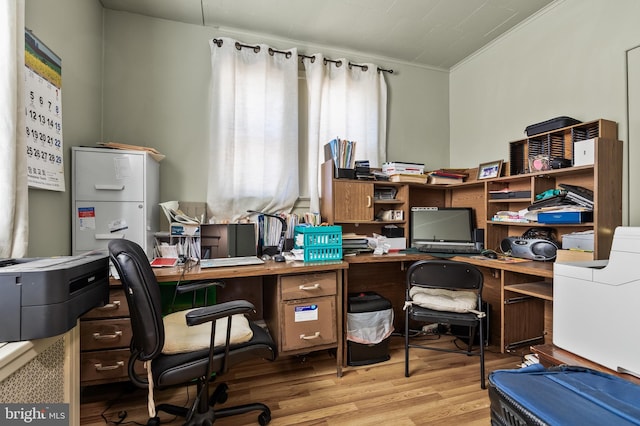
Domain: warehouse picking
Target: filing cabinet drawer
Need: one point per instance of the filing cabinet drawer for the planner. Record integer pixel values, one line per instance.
(98, 222)
(106, 366)
(309, 323)
(115, 176)
(116, 307)
(294, 287)
(105, 334)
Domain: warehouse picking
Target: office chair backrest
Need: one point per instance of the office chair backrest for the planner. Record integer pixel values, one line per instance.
(143, 296)
(445, 274)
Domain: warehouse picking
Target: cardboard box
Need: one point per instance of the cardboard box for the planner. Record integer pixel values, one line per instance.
(583, 152)
(566, 256)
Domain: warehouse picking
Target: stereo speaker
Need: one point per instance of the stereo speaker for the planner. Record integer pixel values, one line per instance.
(529, 248)
(478, 238)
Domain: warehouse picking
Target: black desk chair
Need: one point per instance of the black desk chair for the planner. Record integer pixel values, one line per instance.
(179, 349)
(444, 292)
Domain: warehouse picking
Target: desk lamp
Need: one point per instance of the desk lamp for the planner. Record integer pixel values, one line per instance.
(278, 257)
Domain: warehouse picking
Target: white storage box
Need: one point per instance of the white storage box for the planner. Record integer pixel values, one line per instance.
(578, 240)
(583, 152)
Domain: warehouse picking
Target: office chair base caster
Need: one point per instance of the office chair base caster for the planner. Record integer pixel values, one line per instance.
(264, 419)
(219, 396)
(208, 418)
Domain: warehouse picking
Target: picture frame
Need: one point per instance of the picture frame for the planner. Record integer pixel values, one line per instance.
(489, 170)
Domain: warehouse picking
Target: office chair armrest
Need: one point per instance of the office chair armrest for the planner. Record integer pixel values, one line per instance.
(221, 310)
(197, 285)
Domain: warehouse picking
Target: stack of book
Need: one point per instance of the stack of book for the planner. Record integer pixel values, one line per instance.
(447, 176)
(398, 167)
(408, 178)
(354, 243)
(579, 195)
(405, 172)
(509, 216)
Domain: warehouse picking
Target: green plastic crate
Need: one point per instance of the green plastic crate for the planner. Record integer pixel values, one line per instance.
(319, 242)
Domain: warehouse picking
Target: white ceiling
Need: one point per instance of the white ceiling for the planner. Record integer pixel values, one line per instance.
(434, 33)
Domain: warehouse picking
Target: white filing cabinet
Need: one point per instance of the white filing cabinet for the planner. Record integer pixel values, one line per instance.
(116, 194)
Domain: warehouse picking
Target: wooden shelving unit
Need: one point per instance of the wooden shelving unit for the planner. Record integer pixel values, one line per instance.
(520, 294)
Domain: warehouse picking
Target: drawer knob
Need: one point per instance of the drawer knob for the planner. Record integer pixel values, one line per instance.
(100, 367)
(315, 335)
(115, 305)
(116, 335)
(309, 287)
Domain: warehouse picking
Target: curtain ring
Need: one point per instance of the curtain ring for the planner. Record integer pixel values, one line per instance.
(239, 46)
(271, 52)
(217, 42)
(338, 64)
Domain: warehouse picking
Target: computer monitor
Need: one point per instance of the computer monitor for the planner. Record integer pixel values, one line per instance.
(441, 224)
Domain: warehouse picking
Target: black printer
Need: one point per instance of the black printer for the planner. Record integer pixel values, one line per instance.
(44, 297)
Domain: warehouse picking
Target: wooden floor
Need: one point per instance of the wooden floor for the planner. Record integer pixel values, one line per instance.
(444, 389)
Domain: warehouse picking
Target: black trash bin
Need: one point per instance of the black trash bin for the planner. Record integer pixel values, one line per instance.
(369, 328)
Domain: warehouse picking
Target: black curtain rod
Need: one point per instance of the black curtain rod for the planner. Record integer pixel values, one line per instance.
(288, 54)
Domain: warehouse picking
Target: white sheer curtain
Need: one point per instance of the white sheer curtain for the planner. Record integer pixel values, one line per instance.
(253, 158)
(13, 168)
(348, 102)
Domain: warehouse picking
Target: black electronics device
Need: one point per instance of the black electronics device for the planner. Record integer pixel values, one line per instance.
(44, 297)
(530, 248)
(451, 226)
(491, 254)
(559, 163)
(549, 125)
(478, 238)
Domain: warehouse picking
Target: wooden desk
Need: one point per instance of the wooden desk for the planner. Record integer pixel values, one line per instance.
(520, 293)
(276, 289)
(551, 355)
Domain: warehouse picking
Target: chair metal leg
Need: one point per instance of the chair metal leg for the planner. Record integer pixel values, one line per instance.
(481, 333)
(406, 343)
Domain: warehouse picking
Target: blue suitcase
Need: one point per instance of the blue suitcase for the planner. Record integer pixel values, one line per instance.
(563, 396)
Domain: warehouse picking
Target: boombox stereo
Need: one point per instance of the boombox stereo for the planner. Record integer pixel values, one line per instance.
(529, 248)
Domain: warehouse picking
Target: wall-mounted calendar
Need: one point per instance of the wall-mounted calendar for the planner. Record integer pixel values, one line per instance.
(43, 109)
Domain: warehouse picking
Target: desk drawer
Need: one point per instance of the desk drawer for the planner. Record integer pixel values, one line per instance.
(106, 366)
(309, 323)
(105, 334)
(294, 287)
(117, 306)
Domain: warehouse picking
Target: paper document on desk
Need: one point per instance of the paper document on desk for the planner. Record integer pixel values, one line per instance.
(173, 213)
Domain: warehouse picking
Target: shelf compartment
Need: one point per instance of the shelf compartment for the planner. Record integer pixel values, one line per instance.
(540, 289)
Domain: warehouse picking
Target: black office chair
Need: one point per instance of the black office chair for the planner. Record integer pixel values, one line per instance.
(444, 292)
(154, 336)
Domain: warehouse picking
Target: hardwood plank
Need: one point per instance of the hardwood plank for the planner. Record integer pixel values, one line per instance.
(443, 389)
